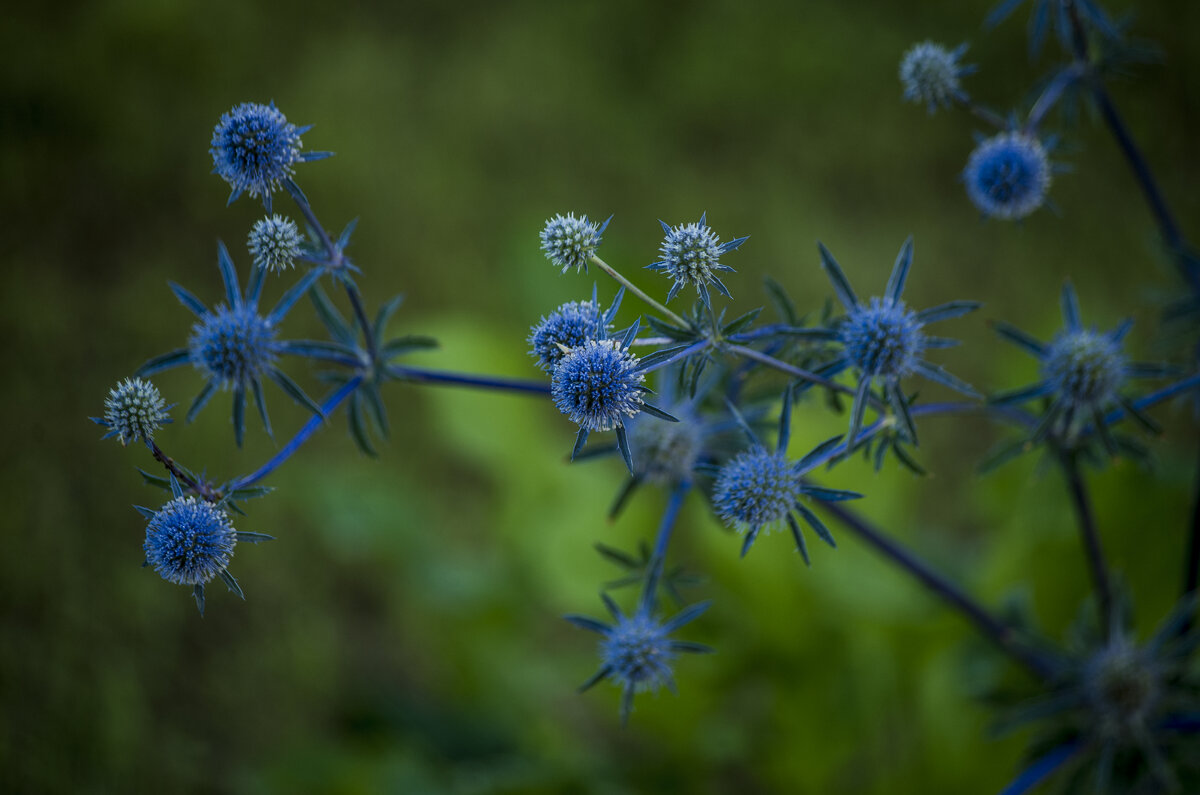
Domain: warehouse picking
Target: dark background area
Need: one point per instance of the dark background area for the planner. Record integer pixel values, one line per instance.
(404, 632)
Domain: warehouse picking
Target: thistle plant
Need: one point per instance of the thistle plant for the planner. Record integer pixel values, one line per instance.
(1109, 712)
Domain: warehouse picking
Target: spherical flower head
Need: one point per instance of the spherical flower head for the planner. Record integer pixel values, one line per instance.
(254, 148)
(189, 541)
(134, 410)
(756, 488)
(691, 254)
(637, 652)
(232, 346)
(569, 242)
(665, 452)
(1008, 175)
(569, 326)
(598, 385)
(882, 338)
(274, 243)
(1084, 368)
(930, 74)
(1122, 686)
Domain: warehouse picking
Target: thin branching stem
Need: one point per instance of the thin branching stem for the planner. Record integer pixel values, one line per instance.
(169, 463)
(1091, 541)
(1167, 225)
(442, 378)
(1004, 637)
(797, 372)
(302, 436)
(654, 568)
(635, 290)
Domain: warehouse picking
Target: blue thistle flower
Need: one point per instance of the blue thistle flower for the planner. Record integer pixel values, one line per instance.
(931, 74)
(1083, 372)
(133, 411)
(1008, 175)
(275, 243)
(570, 326)
(666, 452)
(885, 341)
(691, 254)
(637, 651)
(758, 488)
(569, 241)
(599, 386)
(189, 541)
(254, 149)
(234, 346)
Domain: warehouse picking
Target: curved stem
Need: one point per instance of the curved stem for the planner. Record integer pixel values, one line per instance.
(1091, 542)
(635, 290)
(423, 376)
(1052, 94)
(659, 557)
(309, 428)
(1004, 637)
(987, 114)
(795, 372)
(1168, 226)
(169, 463)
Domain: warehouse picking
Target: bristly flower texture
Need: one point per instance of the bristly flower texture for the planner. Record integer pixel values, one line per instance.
(275, 243)
(931, 74)
(759, 488)
(1008, 175)
(234, 346)
(569, 241)
(599, 386)
(189, 541)
(1082, 373)
(636, 652)
(254, 149)
(691, 254)
(885, 340)
(133, 411)
(570, 326)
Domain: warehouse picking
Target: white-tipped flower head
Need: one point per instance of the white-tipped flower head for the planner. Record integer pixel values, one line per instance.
(134, 410)
(275, 243)
(931, 74)
(569, 242)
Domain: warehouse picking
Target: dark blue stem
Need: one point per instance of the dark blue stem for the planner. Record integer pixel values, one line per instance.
(406, 373)
(310, 427)
(335, 260)
(659, 558)
(1003, 636)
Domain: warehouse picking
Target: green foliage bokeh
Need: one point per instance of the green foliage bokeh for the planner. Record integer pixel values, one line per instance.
(403, 633)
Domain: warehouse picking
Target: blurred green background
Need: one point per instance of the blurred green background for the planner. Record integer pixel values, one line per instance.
(404, 632)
